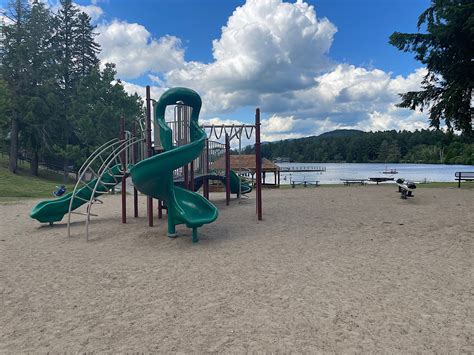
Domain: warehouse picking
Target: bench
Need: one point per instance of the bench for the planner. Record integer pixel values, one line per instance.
(349, 182)
(405, 188)
(305, 183)
(464, 176)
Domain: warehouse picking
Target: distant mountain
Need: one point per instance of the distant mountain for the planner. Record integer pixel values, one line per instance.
(330, 134)
(341, 133)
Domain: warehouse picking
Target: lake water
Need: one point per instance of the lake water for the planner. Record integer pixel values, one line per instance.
(336, 171)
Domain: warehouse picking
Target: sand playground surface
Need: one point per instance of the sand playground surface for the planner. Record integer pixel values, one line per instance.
(329, 269)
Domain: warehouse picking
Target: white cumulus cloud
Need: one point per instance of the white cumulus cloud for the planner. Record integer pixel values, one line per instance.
(274, 55)
(267, 46)
(95, 12)
(134, 50)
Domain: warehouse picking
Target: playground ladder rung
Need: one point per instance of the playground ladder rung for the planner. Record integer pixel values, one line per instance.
(92, 172)
(86, 184)
(108, 183)
(80, 198)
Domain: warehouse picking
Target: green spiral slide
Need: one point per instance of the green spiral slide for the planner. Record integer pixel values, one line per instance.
(154, 176)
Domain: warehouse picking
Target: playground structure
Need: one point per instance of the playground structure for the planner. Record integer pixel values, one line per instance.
(181, 155)
(154, 176)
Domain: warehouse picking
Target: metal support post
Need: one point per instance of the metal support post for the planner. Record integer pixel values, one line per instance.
(206, 171)
(149, 205)
(134, 161)
(191, 176)
(227, 170)
(258, 164)
(124, 170)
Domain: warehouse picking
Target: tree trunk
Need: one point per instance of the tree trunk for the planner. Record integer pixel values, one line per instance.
(13, 162)
(34, 164)
(65, 170)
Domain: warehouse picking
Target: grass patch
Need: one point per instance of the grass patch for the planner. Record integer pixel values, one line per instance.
(22, 185)
(464, 185)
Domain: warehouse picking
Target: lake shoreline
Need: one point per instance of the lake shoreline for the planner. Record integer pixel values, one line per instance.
(334, 172)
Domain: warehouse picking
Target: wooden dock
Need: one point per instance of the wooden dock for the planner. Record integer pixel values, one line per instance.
(302, 168)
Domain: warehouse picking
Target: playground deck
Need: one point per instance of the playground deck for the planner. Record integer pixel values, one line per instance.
(332, 269)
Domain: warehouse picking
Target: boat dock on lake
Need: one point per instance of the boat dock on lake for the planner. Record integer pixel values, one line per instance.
(302, 168)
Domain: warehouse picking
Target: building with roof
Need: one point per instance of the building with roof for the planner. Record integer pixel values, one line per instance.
(246, 162)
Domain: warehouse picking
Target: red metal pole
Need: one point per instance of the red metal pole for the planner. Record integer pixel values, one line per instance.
(186, 176)
(258, 163)
(206, 171)
(191, 176)
(134, 159)
(227, 170)
(149, 204)
(124, 169)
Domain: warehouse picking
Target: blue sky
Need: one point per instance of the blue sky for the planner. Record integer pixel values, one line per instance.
(311, 66)
(363, 26)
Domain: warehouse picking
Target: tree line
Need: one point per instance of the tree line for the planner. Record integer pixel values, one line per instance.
(420, 146)
(56, 102)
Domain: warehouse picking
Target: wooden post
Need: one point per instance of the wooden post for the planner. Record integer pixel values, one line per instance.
(258, 165)
(227, 170)
(124, 170)
(149, 152)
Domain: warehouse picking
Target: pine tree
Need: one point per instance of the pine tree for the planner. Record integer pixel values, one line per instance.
(65, 40)
(40, 70)
(76, 57)
(14, 69)
(5, 112)
(447, 51)
(87, 48)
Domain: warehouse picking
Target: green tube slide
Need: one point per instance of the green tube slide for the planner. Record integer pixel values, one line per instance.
(154, 176)
(234, 184)
(50, 211)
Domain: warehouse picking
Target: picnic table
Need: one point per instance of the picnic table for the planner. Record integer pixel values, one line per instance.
(380, 179)
(305, 183)
(349, 182)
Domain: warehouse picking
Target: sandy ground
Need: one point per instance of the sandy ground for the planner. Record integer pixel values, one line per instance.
(340, 270)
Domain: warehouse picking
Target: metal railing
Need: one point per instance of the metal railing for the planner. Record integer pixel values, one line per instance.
(98, 164)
